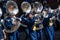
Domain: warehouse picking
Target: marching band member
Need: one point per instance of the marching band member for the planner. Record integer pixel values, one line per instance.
(32, 27)
(26, 7)
(48, 25)
(17, 32)
(24, 24)
(8, 24)
(10, 20)
(39, 28)
(39, 19)
(28, 22)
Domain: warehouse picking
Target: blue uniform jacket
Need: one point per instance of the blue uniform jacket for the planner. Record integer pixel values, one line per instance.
(46, 20)
(28, 22)
(8, 23)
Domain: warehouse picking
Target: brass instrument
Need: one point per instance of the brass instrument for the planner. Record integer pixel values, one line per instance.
(11, 7)
(12, 10)
(50, 22)
(51, 10)
(34, 27)
(37, 28)
(13, 28)
(51, 19)
(58, 13)
(26, 7)
(38, 7)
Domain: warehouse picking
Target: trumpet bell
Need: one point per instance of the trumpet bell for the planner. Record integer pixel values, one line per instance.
(11, 7)
(26, 7)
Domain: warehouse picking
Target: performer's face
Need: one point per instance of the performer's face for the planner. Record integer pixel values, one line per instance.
(10, 8)
(44, 13)
(30, 16)
(25, 7)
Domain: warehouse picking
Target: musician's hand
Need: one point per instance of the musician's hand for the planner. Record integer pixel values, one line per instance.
(4, 34)
(25, 25)
(14, 17)
(5, 37)
(50, 18)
